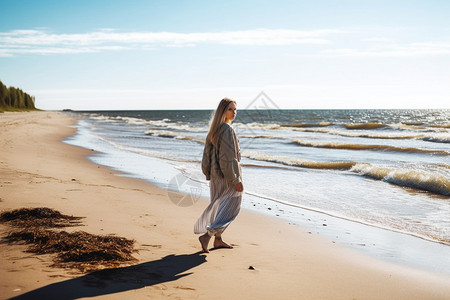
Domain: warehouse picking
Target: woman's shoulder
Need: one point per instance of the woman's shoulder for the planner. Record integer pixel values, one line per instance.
(225, 126)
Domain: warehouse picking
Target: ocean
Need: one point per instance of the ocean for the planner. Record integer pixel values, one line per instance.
(375, 180)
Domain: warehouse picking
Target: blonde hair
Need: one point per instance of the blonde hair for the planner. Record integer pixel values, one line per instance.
(218, 119)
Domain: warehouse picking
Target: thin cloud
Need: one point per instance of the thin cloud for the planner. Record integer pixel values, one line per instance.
(44, 42)
(393, 50)
(377, 40)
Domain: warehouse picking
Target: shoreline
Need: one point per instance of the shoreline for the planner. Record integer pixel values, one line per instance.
(386, 244)
(360, 222)
(39, 170)
(379, 242)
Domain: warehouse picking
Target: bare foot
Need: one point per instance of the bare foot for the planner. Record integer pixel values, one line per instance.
(219, 243)
(204, 241)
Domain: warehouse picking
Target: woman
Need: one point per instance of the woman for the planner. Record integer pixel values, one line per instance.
(220, 164)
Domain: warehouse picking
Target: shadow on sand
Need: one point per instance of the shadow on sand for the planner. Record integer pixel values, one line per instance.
(118, 280)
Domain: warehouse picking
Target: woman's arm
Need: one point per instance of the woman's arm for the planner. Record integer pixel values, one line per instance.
(228, 156)
(206, 160)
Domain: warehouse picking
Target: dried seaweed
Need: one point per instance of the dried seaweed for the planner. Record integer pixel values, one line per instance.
(77, 250)
(38, 217)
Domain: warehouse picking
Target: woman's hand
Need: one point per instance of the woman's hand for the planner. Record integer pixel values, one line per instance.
(239, 187)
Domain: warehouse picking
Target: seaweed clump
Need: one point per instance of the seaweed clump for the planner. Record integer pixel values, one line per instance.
(38, 217)
(75, 250)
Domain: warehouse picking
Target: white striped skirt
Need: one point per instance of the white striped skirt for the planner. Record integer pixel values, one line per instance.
(223, 209)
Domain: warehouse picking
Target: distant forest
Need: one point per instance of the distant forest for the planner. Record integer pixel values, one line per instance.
(14, 99)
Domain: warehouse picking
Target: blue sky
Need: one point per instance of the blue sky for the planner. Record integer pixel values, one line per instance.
(189, 54)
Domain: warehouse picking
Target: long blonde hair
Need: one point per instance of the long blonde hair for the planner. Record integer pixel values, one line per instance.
(218, 119)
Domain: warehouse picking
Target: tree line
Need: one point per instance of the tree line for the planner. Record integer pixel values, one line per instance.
(12, 98)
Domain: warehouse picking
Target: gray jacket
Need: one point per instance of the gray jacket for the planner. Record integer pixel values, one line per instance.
(222, 160)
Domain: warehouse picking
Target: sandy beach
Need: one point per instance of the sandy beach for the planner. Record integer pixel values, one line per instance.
(38, 170)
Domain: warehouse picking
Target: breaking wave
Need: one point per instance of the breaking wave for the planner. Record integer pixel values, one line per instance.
(291, 161)
(300, 125)
(171, 134)
(166, 123)
(393, 136)
(260, 125)
(365, 125)
(441, 126)
(261, 136)
(417, 179)
(346, 146)
(437, 138)
(430, 137)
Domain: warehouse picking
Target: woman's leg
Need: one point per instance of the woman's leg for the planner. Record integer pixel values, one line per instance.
(219, 243)
(223, 209)
(204, 241)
